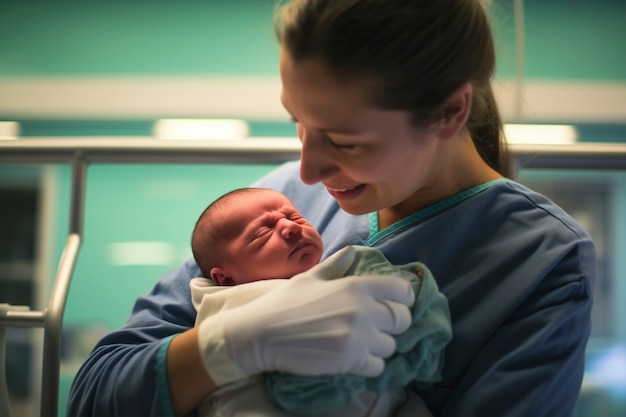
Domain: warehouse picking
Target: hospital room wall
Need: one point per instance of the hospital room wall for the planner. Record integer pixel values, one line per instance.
(571, 43)
(127, 63)
(565, 39)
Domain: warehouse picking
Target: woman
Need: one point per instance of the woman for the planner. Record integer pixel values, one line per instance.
(402, 151)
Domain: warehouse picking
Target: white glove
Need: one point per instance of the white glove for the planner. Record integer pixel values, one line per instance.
(311, 325)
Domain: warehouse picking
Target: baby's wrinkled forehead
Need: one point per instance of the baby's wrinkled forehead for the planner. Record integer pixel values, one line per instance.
(233, 220)
(243, 211)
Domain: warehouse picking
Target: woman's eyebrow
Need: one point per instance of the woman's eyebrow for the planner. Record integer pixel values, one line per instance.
(337, 130)
(342, 131)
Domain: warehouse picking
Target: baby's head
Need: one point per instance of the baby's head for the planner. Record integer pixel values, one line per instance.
(252, 234)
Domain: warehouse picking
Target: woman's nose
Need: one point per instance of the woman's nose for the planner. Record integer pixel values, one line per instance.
(289, 229)
(316, 162)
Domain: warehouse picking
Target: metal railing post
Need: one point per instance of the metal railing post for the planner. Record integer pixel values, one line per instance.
(58, 297)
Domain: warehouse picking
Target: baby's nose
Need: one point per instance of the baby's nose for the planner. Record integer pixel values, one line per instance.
(290, 229)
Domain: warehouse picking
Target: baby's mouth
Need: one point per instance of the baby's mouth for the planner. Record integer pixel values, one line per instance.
(298, 247)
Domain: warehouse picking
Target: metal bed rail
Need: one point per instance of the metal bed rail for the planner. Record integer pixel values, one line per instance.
(80, 152)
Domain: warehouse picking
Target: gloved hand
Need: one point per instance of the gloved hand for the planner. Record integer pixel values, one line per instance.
(311, 325)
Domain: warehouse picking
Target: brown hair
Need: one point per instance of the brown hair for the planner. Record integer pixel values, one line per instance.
(419, 51)
(209, 237)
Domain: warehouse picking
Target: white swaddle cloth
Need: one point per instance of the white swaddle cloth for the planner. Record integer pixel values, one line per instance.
(249, 397)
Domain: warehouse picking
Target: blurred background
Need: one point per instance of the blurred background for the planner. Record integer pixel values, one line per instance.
(71, 69)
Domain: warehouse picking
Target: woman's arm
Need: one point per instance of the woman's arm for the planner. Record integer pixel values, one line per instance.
(127, 372)
(188, 381)
(318, 326)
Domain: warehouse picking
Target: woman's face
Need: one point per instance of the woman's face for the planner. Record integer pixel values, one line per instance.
(368, 158)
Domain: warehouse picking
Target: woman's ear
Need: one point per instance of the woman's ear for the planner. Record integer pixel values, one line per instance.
(455, 111)
(221, 276)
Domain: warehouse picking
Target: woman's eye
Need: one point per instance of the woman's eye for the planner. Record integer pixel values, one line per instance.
(340, 142)
(343, 146)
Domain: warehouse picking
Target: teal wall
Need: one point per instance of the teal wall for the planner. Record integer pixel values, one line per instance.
(565, 39)
(137, 37)
(140, 203)
(576, 39)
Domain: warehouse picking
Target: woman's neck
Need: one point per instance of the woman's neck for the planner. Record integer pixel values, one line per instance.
(459, 168)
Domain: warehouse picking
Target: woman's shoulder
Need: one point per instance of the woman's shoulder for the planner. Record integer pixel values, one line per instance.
(501, 210)
(527, 225)
(504, 222)
(285, 174)
(521, 203)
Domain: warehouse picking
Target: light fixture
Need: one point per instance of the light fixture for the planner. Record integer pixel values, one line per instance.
(540, 134)
(9, 130)
(200, 129)
(141, 253)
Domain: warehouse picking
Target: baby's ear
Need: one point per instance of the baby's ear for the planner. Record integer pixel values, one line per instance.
(221, 277)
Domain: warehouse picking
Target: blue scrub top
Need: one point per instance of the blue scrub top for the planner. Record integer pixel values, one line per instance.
(517, 270)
